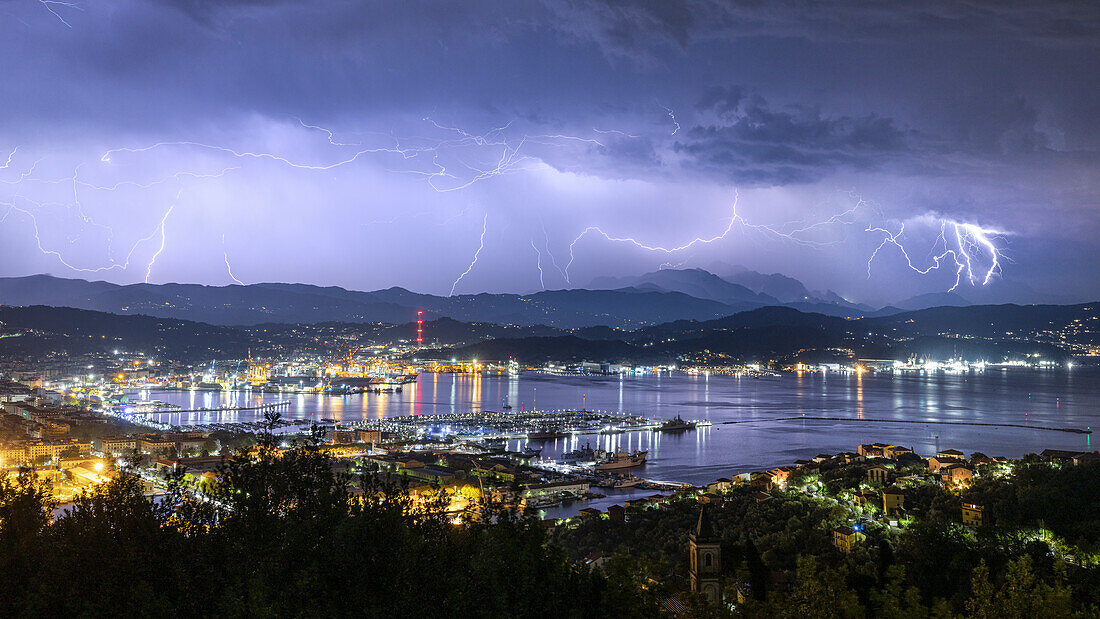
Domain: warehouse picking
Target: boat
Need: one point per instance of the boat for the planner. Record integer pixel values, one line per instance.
(625, 482)
(545, 434)
(505, 405)
(494, 444)
(616, 482)
(677, 425)
(585, 454)
(622, 460)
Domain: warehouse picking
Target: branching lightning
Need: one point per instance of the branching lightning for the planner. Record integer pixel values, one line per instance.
(28, 177)
(553, 260)
(50, 4)
(971, 242)
(163, 240)
(447, 165)
(447, 169)
(481, 246)
(329, 133)
(122, 266)
(793, 235)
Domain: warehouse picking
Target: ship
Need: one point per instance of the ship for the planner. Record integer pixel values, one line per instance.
(371, 382)
(677, 425)
(622, 460)
(545, 434)
(616, 482)
(585, 454)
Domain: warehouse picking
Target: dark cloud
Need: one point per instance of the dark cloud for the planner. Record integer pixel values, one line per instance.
(756, 143)
(982, 111)
(631, 27)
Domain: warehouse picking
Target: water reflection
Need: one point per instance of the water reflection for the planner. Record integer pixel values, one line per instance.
(725, 448)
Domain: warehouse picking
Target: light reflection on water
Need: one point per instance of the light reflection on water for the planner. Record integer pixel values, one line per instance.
(1057, 398)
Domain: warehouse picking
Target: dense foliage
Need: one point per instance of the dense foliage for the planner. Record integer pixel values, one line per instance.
(283, 535)
(1037, 556)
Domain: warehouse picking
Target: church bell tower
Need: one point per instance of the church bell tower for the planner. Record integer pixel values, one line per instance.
(706, 560)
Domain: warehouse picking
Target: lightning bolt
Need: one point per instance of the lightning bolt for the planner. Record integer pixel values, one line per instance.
(616, 132)
(109, 155)
(442, 162)
(481, 246)
(229, 267)
(447, 171)
(553, 260)
(50, 4)
(329, 133)
(61, 258)
(734, 220)
(538, 255)
(510, 158)
(163, 240)
(672, 115)
(77, 184)
(970, 239)
(11, 156)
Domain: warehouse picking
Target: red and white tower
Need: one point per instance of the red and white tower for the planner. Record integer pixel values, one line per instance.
(419, 327)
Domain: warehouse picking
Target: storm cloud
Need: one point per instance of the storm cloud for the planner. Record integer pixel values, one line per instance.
(376, 139)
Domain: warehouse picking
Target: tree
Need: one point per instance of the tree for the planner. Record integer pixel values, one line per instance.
(1020, 595)
(758, 572)
(818, 593)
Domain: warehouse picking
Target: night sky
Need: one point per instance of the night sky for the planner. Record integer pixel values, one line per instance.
(373, 144)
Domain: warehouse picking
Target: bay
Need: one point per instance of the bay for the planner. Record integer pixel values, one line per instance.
(752, 420)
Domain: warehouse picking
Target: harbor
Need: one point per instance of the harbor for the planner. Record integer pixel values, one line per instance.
(443, 405)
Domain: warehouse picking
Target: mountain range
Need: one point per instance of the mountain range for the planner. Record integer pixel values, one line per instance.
(653, 298)
(626, 303)
(990, 332)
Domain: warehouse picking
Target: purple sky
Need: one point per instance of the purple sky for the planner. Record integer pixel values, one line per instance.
(370, 144)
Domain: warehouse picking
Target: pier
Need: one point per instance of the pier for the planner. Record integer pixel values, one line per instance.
(263, 408)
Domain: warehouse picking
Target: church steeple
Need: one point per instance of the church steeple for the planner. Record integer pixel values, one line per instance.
(706, 559)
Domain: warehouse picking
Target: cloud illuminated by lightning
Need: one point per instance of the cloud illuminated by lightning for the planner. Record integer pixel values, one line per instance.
(447, 165)
(481, 246)
(448, 170)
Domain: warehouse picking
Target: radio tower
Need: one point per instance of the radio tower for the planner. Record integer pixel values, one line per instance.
(419, 328)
